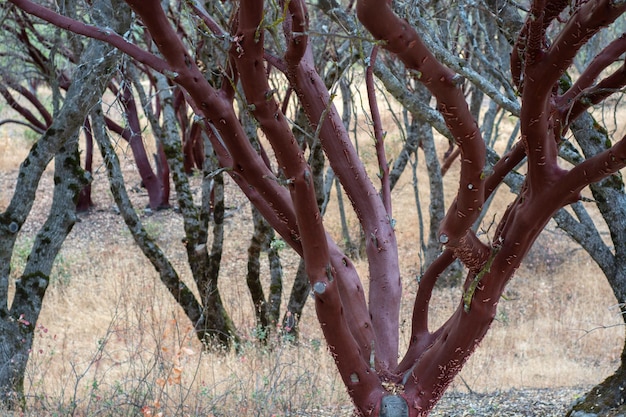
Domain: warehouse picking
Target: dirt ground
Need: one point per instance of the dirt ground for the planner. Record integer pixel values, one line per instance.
(107, 318)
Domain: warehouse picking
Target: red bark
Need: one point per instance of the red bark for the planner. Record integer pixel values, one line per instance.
(379, 135)
(363, 337)
(434, 358)
(39, 125)
(385, 286)
(153, 183)
(353, 367)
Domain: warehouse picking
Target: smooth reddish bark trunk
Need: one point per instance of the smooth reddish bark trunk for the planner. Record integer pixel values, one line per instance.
(363, 337)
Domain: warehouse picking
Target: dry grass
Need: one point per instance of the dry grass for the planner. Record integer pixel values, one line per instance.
(111, 341)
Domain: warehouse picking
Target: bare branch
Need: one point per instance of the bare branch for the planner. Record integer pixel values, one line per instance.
(103, 34)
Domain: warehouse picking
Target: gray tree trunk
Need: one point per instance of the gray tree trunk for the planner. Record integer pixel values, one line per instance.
(60, 141)
(214, 325)
(169, 277)
(610, 199)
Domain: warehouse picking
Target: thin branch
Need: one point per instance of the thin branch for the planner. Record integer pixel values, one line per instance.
(103, 34)
(601, 61)
(379, 136)
(594, 169)
(402, 40)
(38, 125)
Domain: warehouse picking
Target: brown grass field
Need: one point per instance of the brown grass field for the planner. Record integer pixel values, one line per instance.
(111, 341)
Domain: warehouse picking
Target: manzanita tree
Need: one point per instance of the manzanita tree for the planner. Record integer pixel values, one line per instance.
(362, 329)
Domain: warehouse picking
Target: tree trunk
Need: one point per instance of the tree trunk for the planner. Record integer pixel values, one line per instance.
(276, 282)
(607, 398)
(299, 293)
(85, 202)
(168, 275)
(18, 327)
(267, 309)
(258, 242)
(17, 323)
(215, 323)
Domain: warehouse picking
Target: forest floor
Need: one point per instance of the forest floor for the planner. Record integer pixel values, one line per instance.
(111, 341)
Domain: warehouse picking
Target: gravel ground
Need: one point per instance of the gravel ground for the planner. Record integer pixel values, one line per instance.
(527, 402)
(512, 403)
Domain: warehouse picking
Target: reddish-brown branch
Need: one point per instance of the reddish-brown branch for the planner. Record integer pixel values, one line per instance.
(529, 46)
(379, 136)
(296, 28)
(341, 153)
(421, 338)
(517, 58)
(536, 32)
(593, 170)
(427, 379)
(381, 248)
(23, 111)
(588, 19)
(363, 384)
(505, 165)
(592, 96)
(536, 126)
(447, 162)
(265, 109)
(535, 114)
(401, 39)
(150, 181)
(451, 345)
(105, 35)
(541, 132)
(601, 61)
(193, 149)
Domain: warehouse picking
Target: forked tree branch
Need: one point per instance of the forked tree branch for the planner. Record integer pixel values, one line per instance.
(365, 349)
(381, 248)
(401, 39)
(601, 61)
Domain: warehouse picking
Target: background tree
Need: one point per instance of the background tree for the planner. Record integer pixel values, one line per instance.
(363, 336)
(47, 59)
(59, 141)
